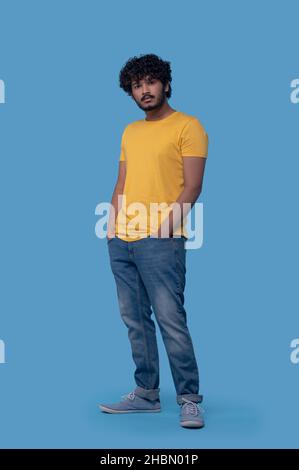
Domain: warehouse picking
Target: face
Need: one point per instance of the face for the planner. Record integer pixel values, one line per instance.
(149, 88)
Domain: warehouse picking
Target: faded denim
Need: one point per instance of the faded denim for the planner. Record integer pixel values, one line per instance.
(150, 277)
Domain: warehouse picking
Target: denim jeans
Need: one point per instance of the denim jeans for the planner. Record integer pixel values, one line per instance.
(150, 275)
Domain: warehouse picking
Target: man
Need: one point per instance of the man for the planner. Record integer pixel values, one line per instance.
(162, 161)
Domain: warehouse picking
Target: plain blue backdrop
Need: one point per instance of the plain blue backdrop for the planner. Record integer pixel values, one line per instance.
(60, 128)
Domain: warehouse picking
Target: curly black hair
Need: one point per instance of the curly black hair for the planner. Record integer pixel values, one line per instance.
(137, 68)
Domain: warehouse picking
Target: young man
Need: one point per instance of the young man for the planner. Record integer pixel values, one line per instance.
(162, 161)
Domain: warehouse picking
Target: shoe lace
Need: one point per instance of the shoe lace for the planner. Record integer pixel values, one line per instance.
(192, 407)
(129, 396)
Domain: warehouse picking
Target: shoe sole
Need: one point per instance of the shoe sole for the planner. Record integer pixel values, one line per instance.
(110, 410)
(191, 424)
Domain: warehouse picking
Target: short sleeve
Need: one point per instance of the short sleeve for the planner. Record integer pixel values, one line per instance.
(194, 140)
(122, 157)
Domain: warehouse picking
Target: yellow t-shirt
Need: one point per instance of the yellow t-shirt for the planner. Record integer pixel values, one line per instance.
(154, 151)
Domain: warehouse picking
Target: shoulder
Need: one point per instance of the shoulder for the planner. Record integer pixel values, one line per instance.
(191, 126)
(130, 127)
(190, 119)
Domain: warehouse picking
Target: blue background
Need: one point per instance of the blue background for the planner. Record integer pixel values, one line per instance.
(60, 129)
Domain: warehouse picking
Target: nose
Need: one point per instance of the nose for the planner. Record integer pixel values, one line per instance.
(145, 89)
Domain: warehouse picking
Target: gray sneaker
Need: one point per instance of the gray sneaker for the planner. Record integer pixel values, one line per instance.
(191, 414)
(132, 403)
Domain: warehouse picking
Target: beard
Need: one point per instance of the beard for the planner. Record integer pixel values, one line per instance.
(159, 101)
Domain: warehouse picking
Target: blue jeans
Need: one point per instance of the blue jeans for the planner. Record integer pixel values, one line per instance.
(150, 272)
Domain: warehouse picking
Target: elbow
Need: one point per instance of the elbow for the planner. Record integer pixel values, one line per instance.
(195, 191)
(198, 190)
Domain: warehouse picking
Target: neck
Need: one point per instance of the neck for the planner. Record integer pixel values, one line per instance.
(160, 113)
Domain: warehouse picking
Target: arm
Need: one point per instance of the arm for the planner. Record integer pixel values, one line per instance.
(116, 201)
(193, 179)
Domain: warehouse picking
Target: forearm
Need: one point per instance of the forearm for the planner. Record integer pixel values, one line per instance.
(116, 206)
(185, 202)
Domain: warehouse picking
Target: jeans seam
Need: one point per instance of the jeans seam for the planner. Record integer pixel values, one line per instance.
(142, 320)
(176, 267)
(179, 287)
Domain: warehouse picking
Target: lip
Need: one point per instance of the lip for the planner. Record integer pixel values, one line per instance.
(147, 99)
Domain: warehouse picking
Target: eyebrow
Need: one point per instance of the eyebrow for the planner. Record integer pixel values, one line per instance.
(138, 81)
